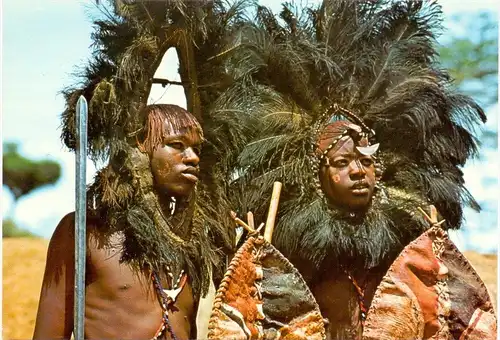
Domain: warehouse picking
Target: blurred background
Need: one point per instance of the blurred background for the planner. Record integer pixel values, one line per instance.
(45, 42)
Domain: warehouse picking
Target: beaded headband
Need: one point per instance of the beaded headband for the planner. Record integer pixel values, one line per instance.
(358, 130)
(355, 128)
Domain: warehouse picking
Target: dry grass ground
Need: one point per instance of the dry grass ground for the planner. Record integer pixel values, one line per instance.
(23, 265)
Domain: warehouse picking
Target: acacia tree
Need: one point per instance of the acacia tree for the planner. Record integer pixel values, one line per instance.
(472, 58)
(22, 176)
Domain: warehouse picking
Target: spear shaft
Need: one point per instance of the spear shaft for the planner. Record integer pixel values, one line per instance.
(80, 218)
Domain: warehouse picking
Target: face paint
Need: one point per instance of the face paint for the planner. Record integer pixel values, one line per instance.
(175, 164)
(349, 181)
(347, 174)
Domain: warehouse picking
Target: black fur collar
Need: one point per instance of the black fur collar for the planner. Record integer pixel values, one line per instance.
(317, 238)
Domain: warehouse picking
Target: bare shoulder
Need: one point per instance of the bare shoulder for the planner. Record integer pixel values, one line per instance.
(66, 227)
(64, 235)
(60, 253)
(62, 241)
(61, 250)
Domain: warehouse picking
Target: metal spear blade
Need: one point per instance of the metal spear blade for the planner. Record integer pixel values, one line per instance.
(80, 217)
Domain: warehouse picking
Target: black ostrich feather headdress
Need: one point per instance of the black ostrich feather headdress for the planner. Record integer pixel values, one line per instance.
(130, 40)
(376, 60)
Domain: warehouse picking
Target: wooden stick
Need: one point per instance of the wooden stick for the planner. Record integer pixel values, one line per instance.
(432, 219)
(434, 214)
(244, 225)
(273, 209)
(427, 217)
(250, 220)
(260, 227)
(241, 223)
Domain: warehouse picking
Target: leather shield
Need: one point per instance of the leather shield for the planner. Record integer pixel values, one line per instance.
(262, 296)
(431, 292)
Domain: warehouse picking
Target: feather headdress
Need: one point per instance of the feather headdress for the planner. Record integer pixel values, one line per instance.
(130, 39)
(376, 60)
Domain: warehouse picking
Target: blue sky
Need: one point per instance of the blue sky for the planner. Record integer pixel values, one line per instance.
(44, 41)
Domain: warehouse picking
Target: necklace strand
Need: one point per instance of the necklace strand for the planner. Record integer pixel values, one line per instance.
(164, 306)
(360, 294)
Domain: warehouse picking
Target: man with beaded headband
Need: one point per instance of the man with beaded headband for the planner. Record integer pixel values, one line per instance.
(320, 86)
(352, 248)
(344, 160)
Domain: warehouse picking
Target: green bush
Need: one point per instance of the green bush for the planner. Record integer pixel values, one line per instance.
(10, 229)
(22, 175)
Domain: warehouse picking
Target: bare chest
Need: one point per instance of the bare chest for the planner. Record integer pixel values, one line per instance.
(123, 303)
(339, 302)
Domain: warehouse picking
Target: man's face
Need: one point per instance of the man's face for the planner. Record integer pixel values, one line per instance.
(348, 182)
(175, 163)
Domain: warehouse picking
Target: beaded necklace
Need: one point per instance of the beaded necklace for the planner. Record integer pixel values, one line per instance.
(360, 294)
(166, 300)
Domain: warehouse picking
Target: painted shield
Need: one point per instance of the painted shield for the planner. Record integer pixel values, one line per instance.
(262, 296)
(431, 292)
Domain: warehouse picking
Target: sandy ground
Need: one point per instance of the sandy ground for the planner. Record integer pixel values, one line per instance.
(22, 273)
(23, 266)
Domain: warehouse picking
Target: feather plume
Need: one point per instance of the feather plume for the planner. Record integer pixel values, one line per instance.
(375, 58)
(130, 39)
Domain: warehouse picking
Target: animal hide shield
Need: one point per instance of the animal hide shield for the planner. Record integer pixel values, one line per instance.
(431, 292)
(262, 296)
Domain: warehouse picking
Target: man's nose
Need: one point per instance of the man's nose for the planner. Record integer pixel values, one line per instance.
(357, 169)
(190, 157)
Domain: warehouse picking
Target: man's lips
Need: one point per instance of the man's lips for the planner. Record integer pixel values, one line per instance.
(360, 188)
(191, 174)
(360, 185)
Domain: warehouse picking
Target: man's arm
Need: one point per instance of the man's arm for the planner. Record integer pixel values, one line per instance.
(55, 309)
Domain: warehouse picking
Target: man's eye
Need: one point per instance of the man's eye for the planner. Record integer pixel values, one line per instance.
(367, 162)
(341, 163)
(176, 145)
